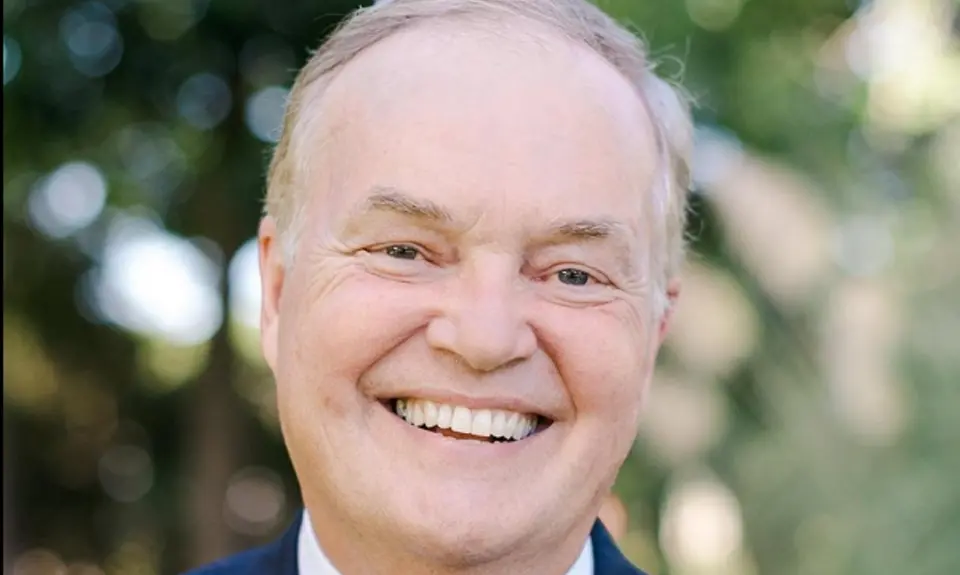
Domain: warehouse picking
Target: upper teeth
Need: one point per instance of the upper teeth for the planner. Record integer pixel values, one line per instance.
(479, 422)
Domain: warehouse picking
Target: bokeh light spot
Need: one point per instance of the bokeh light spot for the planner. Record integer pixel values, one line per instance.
(204, 100)
(266, 60)
(90, 34)
(264, 113)
(714, 15)
(68, 200)
(255, 501)
(126, 473)
(154, 283)
(702, 527)
(39, 562)
(11, 59)
(244, 277)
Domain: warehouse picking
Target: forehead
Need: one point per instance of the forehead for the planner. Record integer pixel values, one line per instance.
(524, 123)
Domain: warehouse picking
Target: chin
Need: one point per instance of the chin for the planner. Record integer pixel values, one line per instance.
(462, 522)
(461, 542)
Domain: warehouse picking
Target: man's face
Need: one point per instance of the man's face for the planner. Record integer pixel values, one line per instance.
(463, 343)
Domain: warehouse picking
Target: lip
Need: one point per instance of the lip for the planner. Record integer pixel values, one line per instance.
(517, 405)
(463, 452)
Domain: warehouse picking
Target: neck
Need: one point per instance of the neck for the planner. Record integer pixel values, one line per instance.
(350, 551)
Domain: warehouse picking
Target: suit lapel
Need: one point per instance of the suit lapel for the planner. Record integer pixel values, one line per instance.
(607, 558)
(283, 556)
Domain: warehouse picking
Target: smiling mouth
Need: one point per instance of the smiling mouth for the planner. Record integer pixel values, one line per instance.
(458, 422)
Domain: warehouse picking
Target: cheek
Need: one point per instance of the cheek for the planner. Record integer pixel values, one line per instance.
(340, 326)
(604, 360)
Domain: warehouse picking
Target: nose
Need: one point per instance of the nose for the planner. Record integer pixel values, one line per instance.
(485, 321)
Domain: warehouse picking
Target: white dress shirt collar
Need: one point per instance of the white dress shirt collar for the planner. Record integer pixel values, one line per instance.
(312, 561)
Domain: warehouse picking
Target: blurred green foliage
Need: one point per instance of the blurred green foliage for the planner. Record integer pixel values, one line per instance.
(806, 417)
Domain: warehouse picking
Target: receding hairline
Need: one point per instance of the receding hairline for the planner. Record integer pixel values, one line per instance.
(327, 104)
(525, 20)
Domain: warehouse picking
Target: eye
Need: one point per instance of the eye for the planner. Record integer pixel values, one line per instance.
(574, 277)
(402, 252)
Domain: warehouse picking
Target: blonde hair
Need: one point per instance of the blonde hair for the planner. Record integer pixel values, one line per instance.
(577, 20)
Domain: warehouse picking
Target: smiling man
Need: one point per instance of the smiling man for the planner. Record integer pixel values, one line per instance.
(473, 231)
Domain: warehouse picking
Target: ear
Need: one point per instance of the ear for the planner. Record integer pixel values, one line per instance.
(272, 271)
(673, 294)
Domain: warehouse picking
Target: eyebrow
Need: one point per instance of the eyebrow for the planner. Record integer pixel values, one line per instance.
(614, 234)
(580, 230)
(391, 200)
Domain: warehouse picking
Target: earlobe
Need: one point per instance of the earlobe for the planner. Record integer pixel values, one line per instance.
(673, 294)
(272, 271)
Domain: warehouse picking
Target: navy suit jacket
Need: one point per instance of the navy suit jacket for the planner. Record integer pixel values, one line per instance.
(280, 557)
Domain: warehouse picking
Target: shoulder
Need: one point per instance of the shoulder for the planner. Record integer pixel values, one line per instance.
(277, 558)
